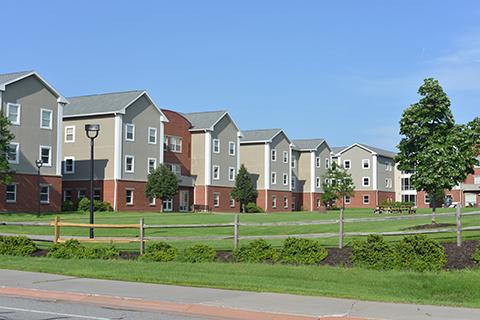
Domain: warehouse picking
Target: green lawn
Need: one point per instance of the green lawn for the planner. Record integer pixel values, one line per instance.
(191, 218)
(453, 288)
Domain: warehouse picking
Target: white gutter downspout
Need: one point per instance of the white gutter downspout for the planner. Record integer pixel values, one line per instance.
(374, 177)
(267, 173)
(118, 155)
(208, 163)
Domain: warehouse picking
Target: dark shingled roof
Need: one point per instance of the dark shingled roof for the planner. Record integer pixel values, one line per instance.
(307, 144)
(261, 135)
(204, 120)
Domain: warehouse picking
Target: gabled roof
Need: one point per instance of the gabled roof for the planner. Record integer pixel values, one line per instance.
(373, 150)
(206, 121)
(307, 144)
(261, 135)
(8, 78)
(105, 103)
(336, 150)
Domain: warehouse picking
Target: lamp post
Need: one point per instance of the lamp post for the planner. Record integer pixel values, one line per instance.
(39, 164)
(92, 132)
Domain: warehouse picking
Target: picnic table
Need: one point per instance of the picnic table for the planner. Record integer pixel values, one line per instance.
(391, 209)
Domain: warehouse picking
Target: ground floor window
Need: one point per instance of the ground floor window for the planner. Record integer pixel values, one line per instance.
(426, 199)
(319, 203)
(366, 199)
(409, 198)
(285, 202)
(274, 201)
(97, 194)
(67, 195)
(11, 193)
(81, 194)
(232, 202)
(168, 205)
(216, 199)
(44, 194)
(151, 201)
(347, 200)
(129, 196)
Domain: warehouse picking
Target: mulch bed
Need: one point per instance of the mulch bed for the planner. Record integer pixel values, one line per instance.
(338, 257)
(460, 257)
(430, 226)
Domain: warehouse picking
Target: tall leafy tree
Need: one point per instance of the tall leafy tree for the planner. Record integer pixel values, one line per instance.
(5, 138)
(439, 152)
(162, 184)
(329, 197)
(244, 190)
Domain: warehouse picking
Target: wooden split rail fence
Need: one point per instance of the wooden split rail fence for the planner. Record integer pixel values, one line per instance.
(236, 224)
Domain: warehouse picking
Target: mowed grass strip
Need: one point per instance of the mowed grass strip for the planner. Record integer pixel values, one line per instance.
(452, 288)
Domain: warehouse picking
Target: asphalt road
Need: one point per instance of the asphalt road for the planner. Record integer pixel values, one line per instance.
(30, 309)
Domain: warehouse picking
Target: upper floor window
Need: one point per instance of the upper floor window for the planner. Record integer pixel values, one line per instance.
(274, 178)
(216, 145)
(388, 166)
(285, 179)
(70, 134)
(216, 172)
(366, 182)
(46, 119)
(13, 113)
(175, 168)
(347, 164)
(130, 132)
(274, 154)
(327, 163)
(129, 164)
(317, 182)
(152, 135)
(175, 144)
(294, 163)
(69, 165)
(317, 162)
(231, 174)
(13, 154)
(285, 157)
(293, 182)
(46, 155)
(152, 165)
(476, 180)
(11, 193)
(231, 148)
(366, 163)
(388, 183)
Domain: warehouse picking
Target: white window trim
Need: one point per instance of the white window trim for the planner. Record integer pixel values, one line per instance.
(327, 163)
(17, 153)
(49, 164)
(285, 202)
(51, 118)
(285, 157)
(65, 165)
(65, 132)
(285, 179)
(48, 194)
(367, 161)
(131, 198)
(272, 157)
(425, 199)
(133, 163)
(293, 183)
(230, 144)
(368, 199)
(294, 163)
(386, 183)
(476, 180)
(18, 121)
(348, 200)
(274, 201)
(273, 178)
(213, 146)
(148, 164)
(216, 195)
(127, 125)
(349, 164)
(232, 202)
(318, 162)
(318, 183)
(156, 133)
(213, 172)
(230, 169)
(15, 193)
(153, 202)
(363, 182)
(180, 139)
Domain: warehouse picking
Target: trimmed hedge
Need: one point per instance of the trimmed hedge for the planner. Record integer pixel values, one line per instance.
(476, 255)
(72, 249)
(373, 253)
(251, 207)
(17, 246)
(159, 251)
(256, 251)
(302, 251)
(84, 205)
(419, 253)
(199, 253)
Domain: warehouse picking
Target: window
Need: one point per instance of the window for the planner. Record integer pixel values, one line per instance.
(426, 199)
(11, 193)
(327, 163)
(366, 163)
(476, 180)
(366, 199)
(388, 166)
(409, 198)
(293, 183)
(167, 205)
(130, 132)
(318, 162)
(152, 165)
(317, 182)
(347, 164)
(388, 183)
(285, 202)
(151, 201)
(175, 144)
(285, 179)
(13, 155)
(231, 174)
(274, 201)
(129, 164)
(319, 203)
(175, 168)
(152, 135)
(285, 157)
(405, 184)
(366, 182)
(97, 194)
(69, 165)
(347, 199)
(216, 172)
(216, 199)
(232, 202)
(274, 155)
(81, 194)
(274, 178)
(216, 145)
(46, 119)
(67, 195)
(231, 148)
(70, 134)
(294, 163)
(46, 155)
(13, 113)
(44, 194)
(129, 197)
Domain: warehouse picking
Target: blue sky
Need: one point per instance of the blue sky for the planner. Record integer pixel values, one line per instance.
(342, 70)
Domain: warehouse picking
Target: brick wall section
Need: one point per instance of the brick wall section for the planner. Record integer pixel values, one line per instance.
(456, 197)
(307, 203)
(280, 200)
(224, 193)
(471, 177)
(297, 197)
(357, 200)
(106, 189)
(27, 194)
(179, 126)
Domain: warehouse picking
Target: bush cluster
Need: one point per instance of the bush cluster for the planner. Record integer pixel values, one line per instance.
(17, 246)
(397, 204)
(476, 255)
(69, 205)
(72, 249)
(199, 253)
(251, 207)
(84, 205)
(416, 253)
(302, 251)
(160, 251)
(256, 251)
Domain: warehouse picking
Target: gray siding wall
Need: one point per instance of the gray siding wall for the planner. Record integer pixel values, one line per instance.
(32, 95)
(281, 144)
(226, 132)
(356, 155)
(383, 174)
(324, 153)
(295, 172)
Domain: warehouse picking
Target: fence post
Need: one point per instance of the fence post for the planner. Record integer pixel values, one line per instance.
(142, 236)
(236, 229)
(341, 231)
(459, 226)
(56, 229)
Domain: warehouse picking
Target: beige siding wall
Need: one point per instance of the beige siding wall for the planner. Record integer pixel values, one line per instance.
(198, 157)
(253, 157)
(304, 170)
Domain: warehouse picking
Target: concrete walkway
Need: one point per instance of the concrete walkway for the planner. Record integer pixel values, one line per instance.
(226, 304)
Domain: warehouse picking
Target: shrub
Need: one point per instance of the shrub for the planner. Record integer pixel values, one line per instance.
(253, 208)
(72, 249)
(84, 205)
(373, 253)
(476, 255)
(256, 251)
(68, 205)
(199, 253)
(159, 251)
(302, 251)
(17, 246)
(419, 253)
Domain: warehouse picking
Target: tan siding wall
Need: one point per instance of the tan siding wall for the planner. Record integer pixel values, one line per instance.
(304, 170)
(198, 157)
(253, 157)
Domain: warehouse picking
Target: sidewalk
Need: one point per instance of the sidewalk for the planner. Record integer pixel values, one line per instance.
(215, 302)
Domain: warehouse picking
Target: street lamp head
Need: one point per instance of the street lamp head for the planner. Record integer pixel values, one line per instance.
(92, 130)
(39, 163)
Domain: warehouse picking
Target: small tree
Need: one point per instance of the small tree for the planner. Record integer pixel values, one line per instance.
(439, 152)
(244, 191)
(162, 184)
(5, 138)
(329, 197)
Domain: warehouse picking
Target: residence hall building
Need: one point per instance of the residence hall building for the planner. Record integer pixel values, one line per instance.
(311, 160)
(215, 154)
(128, 147)
(267, 155)
(34, 109)
(178, 157)
(372, 170)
